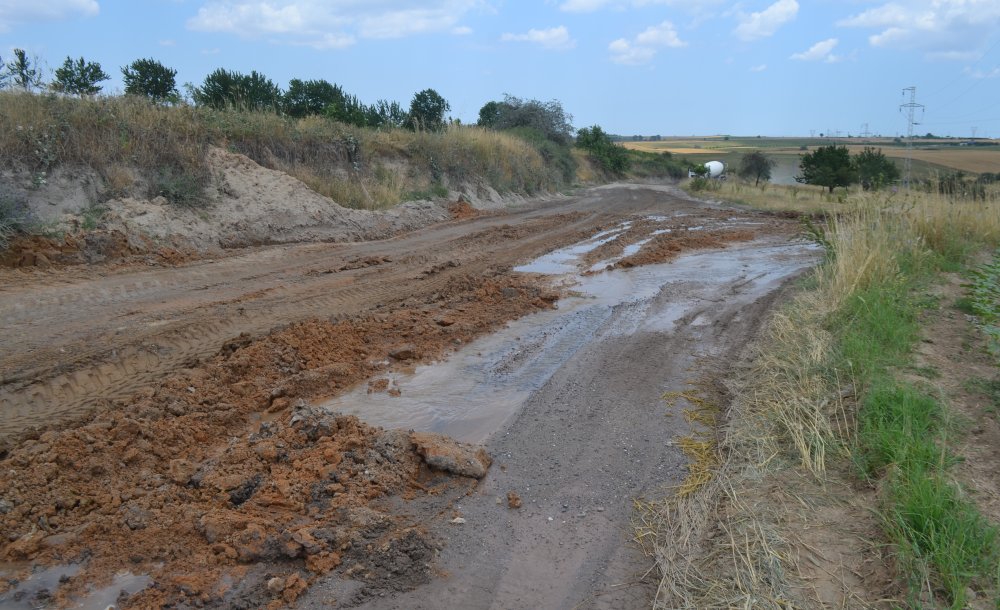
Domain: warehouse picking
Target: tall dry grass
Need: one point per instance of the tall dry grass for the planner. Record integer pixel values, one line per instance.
(139, 148)
(728, 545)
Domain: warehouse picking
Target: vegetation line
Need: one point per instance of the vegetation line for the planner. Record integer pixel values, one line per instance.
(822, 398)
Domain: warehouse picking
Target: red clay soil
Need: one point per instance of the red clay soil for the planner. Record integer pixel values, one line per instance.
(225, 466)
(666, 246)
(27, 251)
(462, 209)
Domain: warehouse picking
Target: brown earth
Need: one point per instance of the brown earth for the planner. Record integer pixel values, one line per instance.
(157, 420)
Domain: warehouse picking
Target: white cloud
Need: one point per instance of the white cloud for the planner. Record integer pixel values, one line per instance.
(330, 25)
(759, 68)
(589, 6)
(13, 11)
(462, 30)
(943, 29)
(766, 22)
(167, 42)
(556, 38)
(821, 51)
(642, 49)
(583, 6)
(981, 74)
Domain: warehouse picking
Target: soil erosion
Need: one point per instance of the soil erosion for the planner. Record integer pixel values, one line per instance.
(460, 416)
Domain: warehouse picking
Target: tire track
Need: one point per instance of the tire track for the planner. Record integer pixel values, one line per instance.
(70, 344)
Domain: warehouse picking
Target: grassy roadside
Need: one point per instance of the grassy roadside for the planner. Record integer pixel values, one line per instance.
(824, 397)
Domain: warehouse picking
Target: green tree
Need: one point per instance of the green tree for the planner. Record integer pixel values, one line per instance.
(829, 166)
(756, 165)
(24, 72)
(491, 114)
(224, 89)
(427, 111)
(549, 118)
(79, 77)
(598, 144)
(149, 78)
(305, 98)
(875, 170)
(386, 114)
(348, 109)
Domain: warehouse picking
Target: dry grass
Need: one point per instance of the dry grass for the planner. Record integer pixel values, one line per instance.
(728, 544)
(135, 145)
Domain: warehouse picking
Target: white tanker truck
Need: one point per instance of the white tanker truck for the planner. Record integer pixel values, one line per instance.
(713, 169)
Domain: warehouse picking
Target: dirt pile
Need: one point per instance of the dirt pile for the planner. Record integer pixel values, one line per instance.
(666, 246)
(202, 479)
(87, 247)
(252, 205)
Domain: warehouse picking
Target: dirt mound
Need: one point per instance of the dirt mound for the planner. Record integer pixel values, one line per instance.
(224, 468)
(252, 205)
(666, 246)
(85, 247)
(462, 209)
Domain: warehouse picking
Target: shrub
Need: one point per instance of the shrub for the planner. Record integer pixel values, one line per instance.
(151, 79)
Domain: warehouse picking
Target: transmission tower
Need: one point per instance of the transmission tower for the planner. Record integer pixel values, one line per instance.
(865, 133)
(911, 112)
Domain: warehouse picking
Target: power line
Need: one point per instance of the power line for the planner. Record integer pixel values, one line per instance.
(911, 108)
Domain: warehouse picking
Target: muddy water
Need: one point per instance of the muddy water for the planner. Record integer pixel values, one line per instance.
(36, 591)
(473, 393)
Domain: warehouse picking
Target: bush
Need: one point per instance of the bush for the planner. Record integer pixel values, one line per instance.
(180, 188)
(150, 79)
(14, 219)
(611, 157)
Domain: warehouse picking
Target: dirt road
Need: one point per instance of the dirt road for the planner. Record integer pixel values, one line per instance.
(568, 402)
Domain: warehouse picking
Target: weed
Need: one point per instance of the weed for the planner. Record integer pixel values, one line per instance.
(179, 188)
(14, 218)
(990, 388)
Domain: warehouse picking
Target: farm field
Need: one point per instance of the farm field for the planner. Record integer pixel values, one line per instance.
(929, 156)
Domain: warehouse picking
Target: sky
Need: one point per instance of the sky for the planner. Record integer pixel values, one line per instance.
(634, 67)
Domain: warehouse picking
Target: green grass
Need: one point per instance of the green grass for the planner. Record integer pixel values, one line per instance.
(902, 440)
(984, 301)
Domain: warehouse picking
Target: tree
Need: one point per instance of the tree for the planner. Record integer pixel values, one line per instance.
(305, 98)
(491, 114)
(224, 89)
(24, 72)
(149, 78)
(828, 166)
(427, 111)
(549, 118)
(875, 170)
(756, 165)
(79, 77)
(613, 158)
(384, 113)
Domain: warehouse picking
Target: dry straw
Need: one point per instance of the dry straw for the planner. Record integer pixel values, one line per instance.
(714, 545)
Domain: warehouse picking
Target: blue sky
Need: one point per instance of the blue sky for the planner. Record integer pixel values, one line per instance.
(669, 67)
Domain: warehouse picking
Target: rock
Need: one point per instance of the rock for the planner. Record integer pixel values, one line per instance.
(444, 453)
(276, 584)
(181, 471)
(457, 521)
(513, 500)
(510, 293)
(136, 517)
(404, 352)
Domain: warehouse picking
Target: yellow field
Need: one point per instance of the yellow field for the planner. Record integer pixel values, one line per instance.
(971, 160)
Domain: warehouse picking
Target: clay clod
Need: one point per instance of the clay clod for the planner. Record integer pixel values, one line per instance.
(447, 454)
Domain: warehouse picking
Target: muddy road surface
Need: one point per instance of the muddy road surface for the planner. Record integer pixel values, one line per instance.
(203, 416)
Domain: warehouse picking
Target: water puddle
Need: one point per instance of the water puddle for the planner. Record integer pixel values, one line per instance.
(477, 389)
(38, 590)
